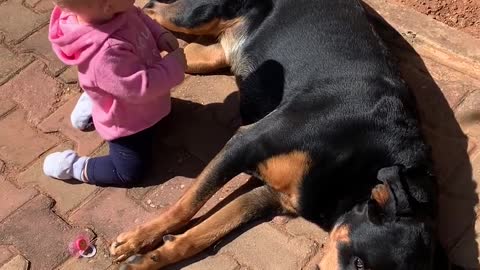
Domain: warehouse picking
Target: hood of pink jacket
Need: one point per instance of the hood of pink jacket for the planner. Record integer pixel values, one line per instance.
(73, 42)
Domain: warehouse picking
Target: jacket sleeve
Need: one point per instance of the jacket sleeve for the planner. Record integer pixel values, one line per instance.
(156, 29)
(120, 72)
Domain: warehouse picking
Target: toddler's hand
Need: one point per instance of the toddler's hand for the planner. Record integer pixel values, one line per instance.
(167, 42)
(180, 56)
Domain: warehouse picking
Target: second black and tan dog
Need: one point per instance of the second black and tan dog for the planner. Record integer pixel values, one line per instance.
(329, 127)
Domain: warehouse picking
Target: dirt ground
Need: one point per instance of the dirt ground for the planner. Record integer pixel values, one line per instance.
(460, 14)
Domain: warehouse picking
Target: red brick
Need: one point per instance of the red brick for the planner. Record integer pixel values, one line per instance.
(219, 93)
(70, 75)
(6, 105)
(168, 162)
(59, 121)
(40, 6)
(99, 262)
(5, 254)
(38, 233)
(67, 194)
(432, 38)
(468, 114)
(35, 91)
(11, 63)
(110, 213)
(169, 192)
(263, 247)
(302, 227)
(12, 198)
(195, 130)
(449, 153)
(19, 143)
(222, 262)
(16, 263)
(206, 89)
(453, 84)
(433, 107)
(18, 21)
(38, 45)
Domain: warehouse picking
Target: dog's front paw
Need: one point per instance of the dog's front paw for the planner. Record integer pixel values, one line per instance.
(132, 242)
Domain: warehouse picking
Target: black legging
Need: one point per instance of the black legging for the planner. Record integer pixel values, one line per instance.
(126, 163)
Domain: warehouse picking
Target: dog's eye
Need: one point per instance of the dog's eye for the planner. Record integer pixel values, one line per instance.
(359, 265)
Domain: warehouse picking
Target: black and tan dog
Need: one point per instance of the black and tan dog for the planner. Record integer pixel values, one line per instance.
(329, 127)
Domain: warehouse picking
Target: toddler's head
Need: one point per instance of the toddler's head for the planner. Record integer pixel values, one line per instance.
(95, 11)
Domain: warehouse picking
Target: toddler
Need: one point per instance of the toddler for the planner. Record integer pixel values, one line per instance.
(126, 84)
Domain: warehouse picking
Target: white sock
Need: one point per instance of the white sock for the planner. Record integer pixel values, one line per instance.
(82, 113)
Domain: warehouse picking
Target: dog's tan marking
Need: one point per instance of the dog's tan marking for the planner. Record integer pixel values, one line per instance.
(203, 59)
(339, 235)
(381, 195)
(284, 173)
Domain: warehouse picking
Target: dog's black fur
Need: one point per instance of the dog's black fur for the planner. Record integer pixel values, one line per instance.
(315, 77)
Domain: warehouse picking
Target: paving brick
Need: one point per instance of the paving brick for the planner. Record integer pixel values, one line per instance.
(453, 84)
(70, 75)
(217, 92)
(99, 262)
(38, 45)
(302, 227)
(110, 213)
(67, 194)
(468, 114)
(12, 198)
(17, 21)
(59, 121)
(433, 107)
(449, 153)
(38, 233)
(222, 262)
(432, 38)
(263, 247)
(5, 254)
(168, 162)
(40, 6)
(35, 91)
(11, 63)
(6, 105)
(169, 192)
(193, 128)
(19, 143)
(17, 263)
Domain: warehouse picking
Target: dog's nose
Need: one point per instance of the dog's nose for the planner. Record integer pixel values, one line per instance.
(150, 4)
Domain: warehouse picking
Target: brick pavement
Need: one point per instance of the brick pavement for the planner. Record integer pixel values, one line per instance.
(39, 215)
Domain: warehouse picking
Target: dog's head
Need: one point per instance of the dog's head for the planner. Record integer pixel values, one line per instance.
(393, 230)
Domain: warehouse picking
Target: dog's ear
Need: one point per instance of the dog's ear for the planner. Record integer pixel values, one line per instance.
(390, 197)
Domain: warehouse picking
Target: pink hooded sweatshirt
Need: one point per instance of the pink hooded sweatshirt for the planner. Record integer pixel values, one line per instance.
(120, 68)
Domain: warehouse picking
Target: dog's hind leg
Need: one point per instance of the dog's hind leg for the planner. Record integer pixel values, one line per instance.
(238, 155)
(203, 59)
(251, 205)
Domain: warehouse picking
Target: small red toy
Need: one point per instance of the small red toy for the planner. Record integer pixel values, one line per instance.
(82, 246)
